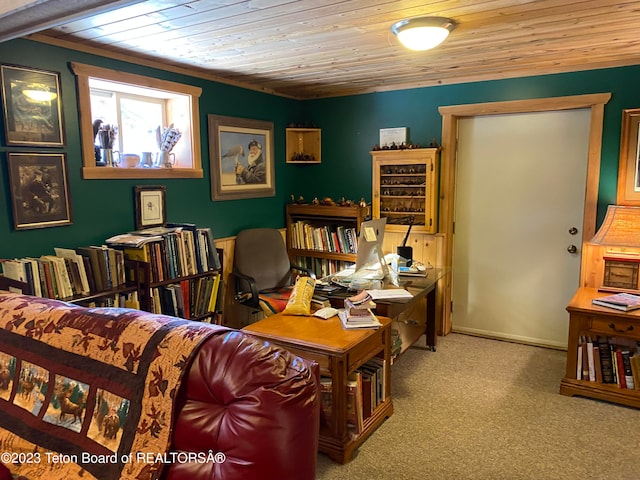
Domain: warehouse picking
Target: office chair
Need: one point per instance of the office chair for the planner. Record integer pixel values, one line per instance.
(263, 273)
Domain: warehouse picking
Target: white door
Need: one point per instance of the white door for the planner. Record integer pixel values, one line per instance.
(520, 189)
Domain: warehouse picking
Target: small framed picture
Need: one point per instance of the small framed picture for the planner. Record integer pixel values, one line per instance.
(150, 206)
(32, 106)
(39, 190)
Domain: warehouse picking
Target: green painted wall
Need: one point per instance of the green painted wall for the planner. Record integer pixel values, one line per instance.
(350, 126)
(102, 208)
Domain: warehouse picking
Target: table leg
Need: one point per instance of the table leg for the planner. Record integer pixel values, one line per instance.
(430, 321)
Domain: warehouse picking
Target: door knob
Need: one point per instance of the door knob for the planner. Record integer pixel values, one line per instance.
(573, 231)
(572, 249)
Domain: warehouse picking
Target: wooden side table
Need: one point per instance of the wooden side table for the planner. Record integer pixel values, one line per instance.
(591, 320)
(338, 352)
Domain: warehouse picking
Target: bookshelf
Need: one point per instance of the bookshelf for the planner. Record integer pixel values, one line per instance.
(405, 186)
(157, 276)
(588, 321)
(195, 297)
(180, 271)
(123, 294)
(323, 237)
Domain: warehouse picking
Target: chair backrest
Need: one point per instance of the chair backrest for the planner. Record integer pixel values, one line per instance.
(262, 254)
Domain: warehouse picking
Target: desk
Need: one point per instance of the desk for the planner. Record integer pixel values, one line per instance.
(338, 352)
(410, 316)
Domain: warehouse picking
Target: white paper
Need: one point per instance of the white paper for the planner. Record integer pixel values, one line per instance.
(389, 294)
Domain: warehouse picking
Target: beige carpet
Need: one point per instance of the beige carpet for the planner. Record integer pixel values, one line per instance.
(482, 409)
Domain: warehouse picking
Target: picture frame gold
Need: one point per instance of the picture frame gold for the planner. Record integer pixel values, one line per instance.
(32, 106)
(150, 206)
(39, 190)
(242, 158)
(628, 192)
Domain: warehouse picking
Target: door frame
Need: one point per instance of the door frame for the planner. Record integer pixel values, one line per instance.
(451, 115)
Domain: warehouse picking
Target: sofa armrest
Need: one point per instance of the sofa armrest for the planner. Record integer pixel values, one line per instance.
(252, 401)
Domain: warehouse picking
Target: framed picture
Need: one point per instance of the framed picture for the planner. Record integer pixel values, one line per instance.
(32, 106)
(629, 167)
(39, 190)
(241, 152)
(150, 205)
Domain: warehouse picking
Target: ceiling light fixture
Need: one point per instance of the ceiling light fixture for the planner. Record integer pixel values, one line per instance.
(423, 33)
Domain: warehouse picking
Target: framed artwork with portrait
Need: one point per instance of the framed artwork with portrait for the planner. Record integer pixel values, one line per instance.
(629, 166)
(150, 206)
(39, 190)
(242, 159)
(32, 107)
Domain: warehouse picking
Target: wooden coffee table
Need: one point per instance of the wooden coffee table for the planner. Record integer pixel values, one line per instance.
(338, 352)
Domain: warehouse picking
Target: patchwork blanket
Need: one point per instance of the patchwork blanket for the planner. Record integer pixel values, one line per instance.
(89, 393)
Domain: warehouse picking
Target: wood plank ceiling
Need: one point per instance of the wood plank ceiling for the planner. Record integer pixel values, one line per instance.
(313, 49)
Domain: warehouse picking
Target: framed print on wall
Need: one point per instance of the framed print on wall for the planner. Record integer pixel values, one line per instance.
(629, 166)
(150, 206)
(242, 159)
(39, 190)
(32, 106)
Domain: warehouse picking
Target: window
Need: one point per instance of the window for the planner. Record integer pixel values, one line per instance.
(141, 108)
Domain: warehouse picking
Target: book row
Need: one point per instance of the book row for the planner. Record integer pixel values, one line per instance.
(322, 267)
(191, 299)
(120, 300)
(611, 360)
(365, 391)
(70, 272)
(175, 251)
(339, 239)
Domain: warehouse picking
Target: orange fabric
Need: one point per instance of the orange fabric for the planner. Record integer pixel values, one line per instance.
(274, 301)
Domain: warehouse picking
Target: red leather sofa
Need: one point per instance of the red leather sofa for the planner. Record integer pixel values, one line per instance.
(245, 398)
(254, 402)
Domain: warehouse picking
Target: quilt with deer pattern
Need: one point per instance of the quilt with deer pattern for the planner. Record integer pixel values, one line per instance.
(89, 392)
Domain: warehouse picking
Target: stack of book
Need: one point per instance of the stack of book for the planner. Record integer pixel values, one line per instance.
(357, 312)
(620, 301)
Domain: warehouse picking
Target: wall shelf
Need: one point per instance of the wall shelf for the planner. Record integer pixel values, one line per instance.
(304, 145)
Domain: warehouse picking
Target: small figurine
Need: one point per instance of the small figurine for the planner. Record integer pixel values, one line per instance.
(315, 201)
(363, 202)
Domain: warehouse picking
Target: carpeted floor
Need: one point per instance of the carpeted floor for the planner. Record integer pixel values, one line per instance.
(480, 409)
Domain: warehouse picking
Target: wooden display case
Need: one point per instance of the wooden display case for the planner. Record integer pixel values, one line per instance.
(405, 187)
(304, 145)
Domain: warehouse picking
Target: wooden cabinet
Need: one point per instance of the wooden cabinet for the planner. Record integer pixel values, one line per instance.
(405, 187)
(321, 237)
(339, 353)
(304, 145)
(588, 321)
